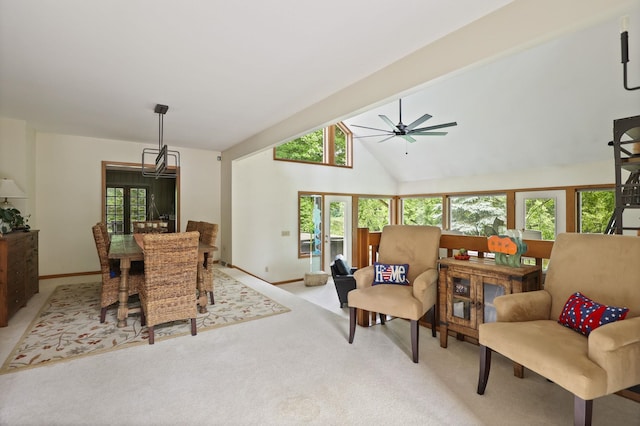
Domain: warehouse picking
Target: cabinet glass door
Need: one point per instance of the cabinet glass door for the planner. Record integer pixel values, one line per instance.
(461, 298)
(490, 292)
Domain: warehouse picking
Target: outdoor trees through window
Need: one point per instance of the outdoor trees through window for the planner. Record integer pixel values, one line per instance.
(374, 213)
(470, 214)
(422, 211)
(329, 146)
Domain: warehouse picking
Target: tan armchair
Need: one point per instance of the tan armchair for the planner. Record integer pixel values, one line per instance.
(604, 268)
(418, 247)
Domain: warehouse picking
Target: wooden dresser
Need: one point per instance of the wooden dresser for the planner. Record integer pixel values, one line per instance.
(18, 272)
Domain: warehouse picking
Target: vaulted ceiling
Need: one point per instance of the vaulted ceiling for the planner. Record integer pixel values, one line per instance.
(231, 70)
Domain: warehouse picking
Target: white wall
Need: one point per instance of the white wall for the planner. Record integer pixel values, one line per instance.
(602, 172)
(68, 194)
(265, 203)
(17, 145)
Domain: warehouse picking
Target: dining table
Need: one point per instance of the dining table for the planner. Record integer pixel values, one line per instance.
(128, 248)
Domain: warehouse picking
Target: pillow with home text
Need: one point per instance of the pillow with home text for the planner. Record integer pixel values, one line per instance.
(584, 315)
(386, 273)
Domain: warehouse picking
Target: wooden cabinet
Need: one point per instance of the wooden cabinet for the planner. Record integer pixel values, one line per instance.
(467, 288)
(18, 272)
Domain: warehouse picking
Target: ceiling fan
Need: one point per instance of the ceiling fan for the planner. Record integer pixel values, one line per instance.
(406, 131)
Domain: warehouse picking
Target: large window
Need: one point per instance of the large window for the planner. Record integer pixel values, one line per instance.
(422, 211)
(330, 146)
(470, 214)
(374, 213)
(595, 208)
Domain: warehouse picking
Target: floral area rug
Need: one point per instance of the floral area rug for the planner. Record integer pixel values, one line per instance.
(68, 326)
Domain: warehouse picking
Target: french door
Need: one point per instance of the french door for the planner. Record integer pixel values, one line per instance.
(336, 228)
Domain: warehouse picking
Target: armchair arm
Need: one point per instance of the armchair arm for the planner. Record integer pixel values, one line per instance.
(364, 277)
(528, 306)
(616, 348)
(425, 288)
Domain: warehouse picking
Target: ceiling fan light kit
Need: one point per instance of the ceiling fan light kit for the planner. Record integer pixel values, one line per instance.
(406, 131)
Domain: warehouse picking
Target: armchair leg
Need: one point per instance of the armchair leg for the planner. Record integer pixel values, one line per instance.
(432, 319)
(485, 366)
(382, 317)
(582, 411)
(211, 296)
(352, 323)
(103, 315)
(415, 337)
(151, 336)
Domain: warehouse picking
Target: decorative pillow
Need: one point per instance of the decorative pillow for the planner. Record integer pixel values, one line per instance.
(342, 267)
(584, 315)
(384, 273)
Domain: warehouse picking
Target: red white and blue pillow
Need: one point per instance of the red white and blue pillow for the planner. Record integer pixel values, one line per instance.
(584, 315)
(388, 273)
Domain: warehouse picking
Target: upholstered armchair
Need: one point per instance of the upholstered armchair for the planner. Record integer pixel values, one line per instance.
(343, 279)
(168, 292)
(603, 356)
(417, 247)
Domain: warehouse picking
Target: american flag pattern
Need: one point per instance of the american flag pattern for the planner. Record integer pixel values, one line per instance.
(584, 315)
(390, 274)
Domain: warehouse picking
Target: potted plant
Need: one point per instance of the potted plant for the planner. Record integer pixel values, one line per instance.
(11, 219)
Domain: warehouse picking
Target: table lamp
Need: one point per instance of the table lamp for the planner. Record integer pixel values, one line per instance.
(9, 189)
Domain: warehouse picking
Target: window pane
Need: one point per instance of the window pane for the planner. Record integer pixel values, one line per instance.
(306, 148)
(374, 213)
(310, 219)
(114, 207)
(595, 210)
(340, 146)
(422, 211)
(540, 215)
(470, 214)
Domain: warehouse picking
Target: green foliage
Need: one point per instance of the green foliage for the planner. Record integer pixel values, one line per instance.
(540, 214)
(470, 214)
(340, 146)
(422, 211)
(596, 208)
(373, 213)
(308, 147)
(336, 211)
(11, 218)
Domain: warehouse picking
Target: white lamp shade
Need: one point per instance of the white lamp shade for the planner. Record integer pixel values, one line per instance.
(9, 189)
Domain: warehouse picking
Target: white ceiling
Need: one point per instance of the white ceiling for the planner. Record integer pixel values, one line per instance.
(231, 69)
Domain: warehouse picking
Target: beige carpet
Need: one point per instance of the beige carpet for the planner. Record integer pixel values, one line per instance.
(68, 326)
(291, 369)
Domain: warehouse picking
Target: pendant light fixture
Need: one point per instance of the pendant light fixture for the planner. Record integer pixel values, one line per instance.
(161, 162)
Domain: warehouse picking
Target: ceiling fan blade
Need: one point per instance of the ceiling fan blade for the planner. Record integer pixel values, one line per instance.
(437, 126)
(386, 139)
(373, 136)
(418, 121)
(408, 138)
(370, 128)
(429, 133)
(389, 122)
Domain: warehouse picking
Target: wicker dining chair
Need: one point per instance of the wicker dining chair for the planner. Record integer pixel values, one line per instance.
(192, 225)
(208, 235)
(168, 292)
(111, 273)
